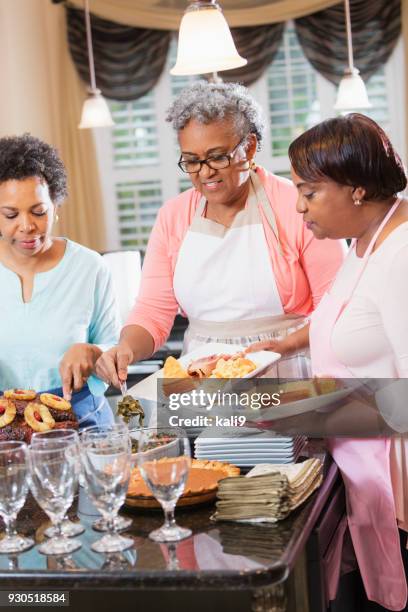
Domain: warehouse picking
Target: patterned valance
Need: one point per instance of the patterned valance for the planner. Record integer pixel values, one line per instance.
(130, 60)
(375, 30)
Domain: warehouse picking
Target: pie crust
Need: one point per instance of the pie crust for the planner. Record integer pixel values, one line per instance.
(201, 485)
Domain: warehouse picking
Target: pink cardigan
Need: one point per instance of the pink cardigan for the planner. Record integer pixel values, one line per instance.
(303, 273)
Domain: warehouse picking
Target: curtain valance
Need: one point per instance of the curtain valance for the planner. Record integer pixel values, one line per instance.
(166, 14)
(129, 60)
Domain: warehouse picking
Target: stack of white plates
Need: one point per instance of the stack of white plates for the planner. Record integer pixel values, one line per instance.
(248, 448)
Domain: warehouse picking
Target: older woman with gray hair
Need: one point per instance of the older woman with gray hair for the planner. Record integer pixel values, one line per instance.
(231, 253)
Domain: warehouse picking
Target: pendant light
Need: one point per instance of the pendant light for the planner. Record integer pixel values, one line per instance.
(352, 93)
(95, 111)
(205, 43)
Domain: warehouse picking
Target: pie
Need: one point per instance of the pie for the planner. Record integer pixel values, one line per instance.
(201, 485)
(23, 411)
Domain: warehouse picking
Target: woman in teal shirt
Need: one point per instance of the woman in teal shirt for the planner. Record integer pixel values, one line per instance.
(57, 306)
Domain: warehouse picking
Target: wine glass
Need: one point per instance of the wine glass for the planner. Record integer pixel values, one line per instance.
(13, 492)
(106, 462)
(121, 561)
(112, 427)
(120, 523)
(53, 479)
(164, 461)
(52, 438)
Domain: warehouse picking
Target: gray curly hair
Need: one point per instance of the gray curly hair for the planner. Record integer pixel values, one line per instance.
(207, 102)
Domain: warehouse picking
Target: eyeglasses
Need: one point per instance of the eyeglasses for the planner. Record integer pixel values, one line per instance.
(215, 162)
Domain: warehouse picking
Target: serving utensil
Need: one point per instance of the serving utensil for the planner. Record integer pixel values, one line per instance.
(123, 388)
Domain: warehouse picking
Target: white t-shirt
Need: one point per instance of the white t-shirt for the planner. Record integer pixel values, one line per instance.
(371, 335)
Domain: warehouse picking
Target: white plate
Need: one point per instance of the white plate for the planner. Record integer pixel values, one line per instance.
(248, 462)
(245, 447)
(232, 448)
(147, 388)
(251, 450)
(319, 403)
(262, 359)
(245, 443)
(232, 457)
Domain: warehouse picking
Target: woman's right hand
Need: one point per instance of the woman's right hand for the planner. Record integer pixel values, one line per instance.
(112, 365)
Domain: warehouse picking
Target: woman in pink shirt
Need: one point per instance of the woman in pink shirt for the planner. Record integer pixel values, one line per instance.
(230, 253)
(348, 178)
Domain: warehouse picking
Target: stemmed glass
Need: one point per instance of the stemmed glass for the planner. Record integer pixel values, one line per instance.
(120, 523)
(49, 439)
(106, 463)
(53, 480)
(164, 461)
(120, 561)
(13, 492)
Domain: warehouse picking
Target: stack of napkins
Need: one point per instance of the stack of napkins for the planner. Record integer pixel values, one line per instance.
(260, 540)
(268, 493)
(247, 447)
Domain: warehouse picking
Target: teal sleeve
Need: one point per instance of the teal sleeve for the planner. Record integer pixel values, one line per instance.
(105, 325)
(104, 329)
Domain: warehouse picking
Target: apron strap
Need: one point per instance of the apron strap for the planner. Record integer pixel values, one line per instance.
(369, 248)
(266, 206)
(200, 208)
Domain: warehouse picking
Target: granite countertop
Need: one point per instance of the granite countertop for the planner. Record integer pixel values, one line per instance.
(222, 554)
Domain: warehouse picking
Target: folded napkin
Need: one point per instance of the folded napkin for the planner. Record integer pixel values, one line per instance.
(269, 492)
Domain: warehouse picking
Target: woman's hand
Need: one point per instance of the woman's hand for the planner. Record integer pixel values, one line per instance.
(113, 364)
(278, 346)
(76, 366)
(296, 341)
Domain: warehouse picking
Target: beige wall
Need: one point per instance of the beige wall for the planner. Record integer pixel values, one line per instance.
(25, 101)
(41, 93)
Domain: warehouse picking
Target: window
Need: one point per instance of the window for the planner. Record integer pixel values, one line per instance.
(134, 136)
(138, 156)
(292, 91)
(137, 206)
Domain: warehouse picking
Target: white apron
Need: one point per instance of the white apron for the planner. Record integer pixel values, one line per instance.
(224, 282)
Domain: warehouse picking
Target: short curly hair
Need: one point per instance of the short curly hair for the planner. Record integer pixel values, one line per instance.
(207, 102)
(25, 156)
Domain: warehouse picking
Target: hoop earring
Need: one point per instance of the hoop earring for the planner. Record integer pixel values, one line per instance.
(357, 202)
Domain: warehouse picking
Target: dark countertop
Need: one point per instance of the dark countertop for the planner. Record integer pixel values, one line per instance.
(222, 555)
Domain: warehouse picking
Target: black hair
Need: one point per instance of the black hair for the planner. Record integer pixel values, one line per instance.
(25, 156)
(351, 150)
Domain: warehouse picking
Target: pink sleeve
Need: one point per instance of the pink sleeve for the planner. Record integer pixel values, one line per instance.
(156, 305)
(320, 260)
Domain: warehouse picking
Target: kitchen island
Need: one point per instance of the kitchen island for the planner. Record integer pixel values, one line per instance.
(223, 565)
